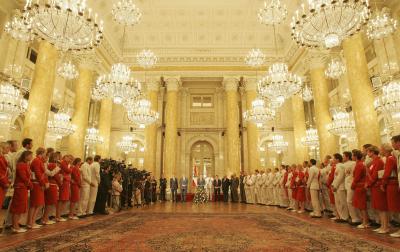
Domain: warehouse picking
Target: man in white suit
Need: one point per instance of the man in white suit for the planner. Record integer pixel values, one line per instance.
(313, 186)
(86, 183)
(95, 179)
(349, 169)
(339, 188)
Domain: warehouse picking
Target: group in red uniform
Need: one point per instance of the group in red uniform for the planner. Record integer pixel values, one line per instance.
(375, 172)
(51, 183)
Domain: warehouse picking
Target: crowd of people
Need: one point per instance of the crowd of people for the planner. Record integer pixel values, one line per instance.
(358, 187)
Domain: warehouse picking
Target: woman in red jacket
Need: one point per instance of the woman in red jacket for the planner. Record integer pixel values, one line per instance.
(374, 182)
(4, 181)
(51, 194)
(19, 203)
(390, 183)
(358, 186)
(301, 188)
(75, 187)
(40, 183)
(65, 188)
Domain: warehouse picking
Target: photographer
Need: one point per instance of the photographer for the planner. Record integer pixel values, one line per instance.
(104, 190)
(163, 188)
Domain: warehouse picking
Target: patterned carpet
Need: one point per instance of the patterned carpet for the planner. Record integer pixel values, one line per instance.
(274, 230)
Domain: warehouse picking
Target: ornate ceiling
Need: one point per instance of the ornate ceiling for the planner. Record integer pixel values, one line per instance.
(185, 29)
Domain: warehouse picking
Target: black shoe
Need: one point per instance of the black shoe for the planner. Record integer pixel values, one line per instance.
(317, 217)
(340, 221)
(374, 224)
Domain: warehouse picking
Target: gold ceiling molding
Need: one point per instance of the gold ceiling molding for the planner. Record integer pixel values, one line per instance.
(200, 68)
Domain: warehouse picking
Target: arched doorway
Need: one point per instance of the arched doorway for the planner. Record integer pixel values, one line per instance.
(202, 159)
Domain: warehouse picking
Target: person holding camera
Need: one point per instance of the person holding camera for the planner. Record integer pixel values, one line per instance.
(116, 192)
(104, 189)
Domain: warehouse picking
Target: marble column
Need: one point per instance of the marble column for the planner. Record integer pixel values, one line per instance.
(328, 143)
(171, 126)
(252, 130)
(80, 119)
(40, 95)
(396, 35)
(105, 115)
(299, 128)
(232, 126)
(151, 130)
(365, 116)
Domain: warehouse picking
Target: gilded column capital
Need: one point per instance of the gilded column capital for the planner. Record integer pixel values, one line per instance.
(231, 83)
(153, 84)
(173, 83)
(250, 84)
(316, 60)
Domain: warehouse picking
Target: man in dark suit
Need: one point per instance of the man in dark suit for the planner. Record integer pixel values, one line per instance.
(217, 188)
(173, 185)
(163, 187)
(234, 188)
(225, 188)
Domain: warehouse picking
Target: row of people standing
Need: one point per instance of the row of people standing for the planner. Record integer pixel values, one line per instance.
(360, 187)
(47, 181)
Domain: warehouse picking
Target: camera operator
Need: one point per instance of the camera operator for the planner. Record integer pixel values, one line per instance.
(127, 184)
(147, 190)
(104, 191)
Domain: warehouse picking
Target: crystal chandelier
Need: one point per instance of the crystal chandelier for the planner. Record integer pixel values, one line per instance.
(311, 139)
(126, 144)
(67, 24)
(125, 12)
(255, 58)
(307, 94)
(99, 91)
(326, 23)
(279, 82)
(381, 25)
(61, 125)
(259, 113)
(68, 71)
(118, 85)
(141, 113)
(20, 27)
(146, 59)
(92, 137)
(12, 104)
(276, 102)
(389, 101)
(335, 69)
(342, 125)
(273, 13)
(278, 144)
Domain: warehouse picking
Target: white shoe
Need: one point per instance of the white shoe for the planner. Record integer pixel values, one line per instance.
(377, 230)
(396, 234)
(362, 226)
(61, 219)
(334, 218)
(19, 230)
(300, 211)
(36, 226)
(293, 210)
(73, 218)
(383, 231)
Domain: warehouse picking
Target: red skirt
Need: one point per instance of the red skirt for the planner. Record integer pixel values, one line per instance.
(19, 203)
(360, 198)
(301, 194)
(37, 196)
(331, 196)
(378, 201)
(65, 191)
(75, 193)
(2, 195)
(294, 193)
(51, 195)
(393, 196)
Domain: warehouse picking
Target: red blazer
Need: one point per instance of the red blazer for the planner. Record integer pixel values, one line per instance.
(390, 170)
(301, 181)
(372, 176)
(359, 174)
(56, 179)
(23, 176)
(37, 167)
(331, 176)
(65, 171)
(293, 180)
(3, 172)
(76, 176)
(285, 178)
